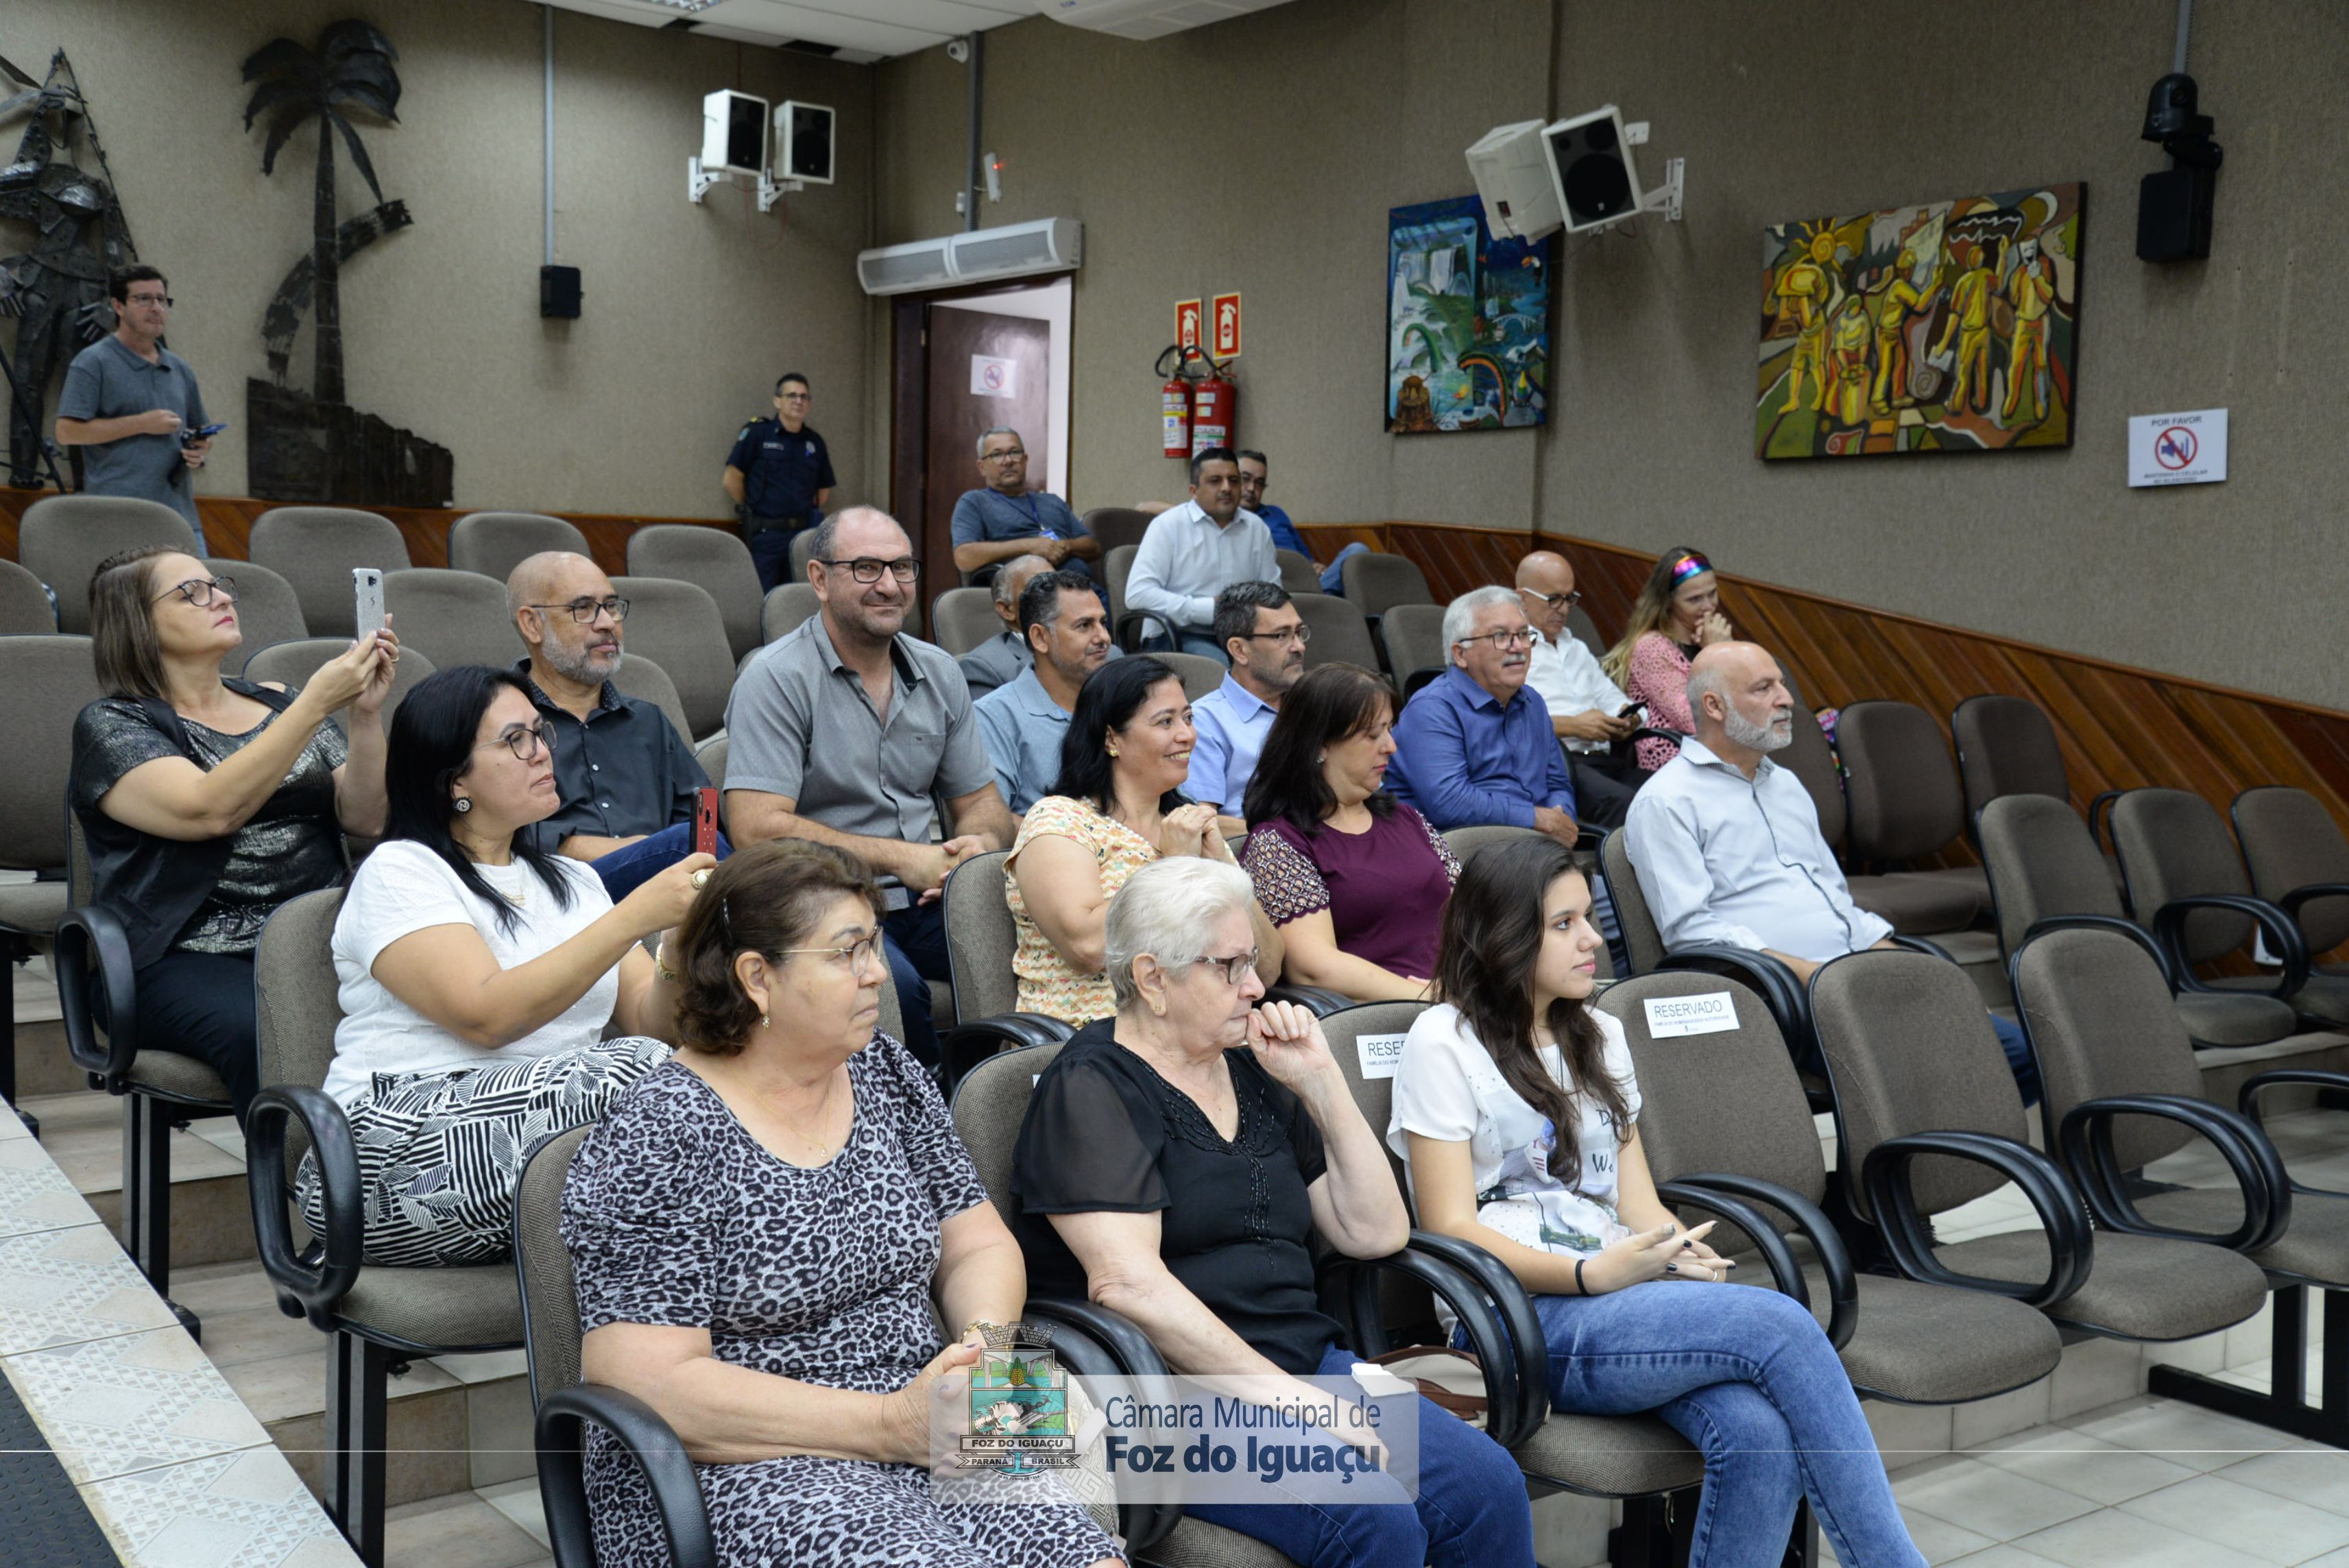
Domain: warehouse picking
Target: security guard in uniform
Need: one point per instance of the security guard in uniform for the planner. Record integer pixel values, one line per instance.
(778, 476)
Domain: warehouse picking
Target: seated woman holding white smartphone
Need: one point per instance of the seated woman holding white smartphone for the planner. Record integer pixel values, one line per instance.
(1517, 1113)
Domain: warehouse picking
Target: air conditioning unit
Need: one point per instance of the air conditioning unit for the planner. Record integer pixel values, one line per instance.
(1016, 250)
(1148, 18)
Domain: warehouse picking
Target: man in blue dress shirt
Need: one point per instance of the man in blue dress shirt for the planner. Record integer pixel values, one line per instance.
(1259, 627)
(1003, 519)
(1475, 745)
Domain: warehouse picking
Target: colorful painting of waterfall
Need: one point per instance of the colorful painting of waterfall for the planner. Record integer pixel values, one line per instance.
(1467, 323)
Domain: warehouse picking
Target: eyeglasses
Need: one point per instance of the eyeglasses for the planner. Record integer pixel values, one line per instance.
(163, 300)
(1006, 452)
(1235, 969)
(525, 741)
(200, 592)
(1301, 635)
(585, 611)
(864, 569)
(859, 954)
(792, 396)
(1522, 638)
(1554, 601)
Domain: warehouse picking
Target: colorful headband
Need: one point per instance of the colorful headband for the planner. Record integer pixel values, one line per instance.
(1690, 566)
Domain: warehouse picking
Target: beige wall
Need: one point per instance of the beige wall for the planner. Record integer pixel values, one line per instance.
(1313, 118)
(690, 312)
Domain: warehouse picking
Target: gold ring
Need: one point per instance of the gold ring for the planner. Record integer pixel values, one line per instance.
(700, 878)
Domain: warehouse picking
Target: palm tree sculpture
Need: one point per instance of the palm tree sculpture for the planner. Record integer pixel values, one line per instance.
(349, 70)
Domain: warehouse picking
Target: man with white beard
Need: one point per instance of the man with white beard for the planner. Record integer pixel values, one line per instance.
(1727, 843)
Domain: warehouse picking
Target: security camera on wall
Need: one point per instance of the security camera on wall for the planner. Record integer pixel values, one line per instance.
(803, 143)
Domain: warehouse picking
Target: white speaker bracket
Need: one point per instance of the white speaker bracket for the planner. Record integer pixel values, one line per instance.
(698, 183)
(771, 190)
(1666, 198)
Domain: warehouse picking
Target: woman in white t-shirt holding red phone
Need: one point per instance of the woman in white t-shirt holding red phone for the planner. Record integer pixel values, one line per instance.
(1517, 1113)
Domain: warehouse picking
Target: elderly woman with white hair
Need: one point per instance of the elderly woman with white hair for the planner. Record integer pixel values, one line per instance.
(1177, 1163)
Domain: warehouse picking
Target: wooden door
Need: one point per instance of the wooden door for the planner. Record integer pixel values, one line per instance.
(968, 348)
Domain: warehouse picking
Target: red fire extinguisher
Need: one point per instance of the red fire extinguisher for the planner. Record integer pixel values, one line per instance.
(1194, 415)
(1175, 402)
(1215, 409)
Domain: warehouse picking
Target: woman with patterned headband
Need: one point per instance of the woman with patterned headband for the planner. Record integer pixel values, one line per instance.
(1677, 614)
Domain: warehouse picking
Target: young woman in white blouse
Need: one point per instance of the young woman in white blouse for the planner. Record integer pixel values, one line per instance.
(478, 975)
(1517, 1113)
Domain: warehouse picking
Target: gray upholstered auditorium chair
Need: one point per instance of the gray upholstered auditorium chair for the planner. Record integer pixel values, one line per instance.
(785, 608)
(1116, 525)
(2123, 1089)
(1467, 841)
(2187, 883)
(1298, 574)
(980, 938)
(1581, 627)
(1378, 581)
(1200, 676)
(314, 548)
(294, 664)
(801, 542)
(1128, 626)
(2005, 747)
(567, 1404)
(1903, 804)
(1812, 760)
(1725, 1112)
(158, 1088)
(964, 618)
(453, 617)
(2045, 871)
(494, 543)
(1340, 634)
(715, 558)
(677, 626)
(712, 755)
(267, 609)
(1412, 638)
(1927, 1118)
(24, 607)
(62, 537)
(373, 1316)
(639, 676)
(1636, 1459)
(45, 682)
(2299, 861)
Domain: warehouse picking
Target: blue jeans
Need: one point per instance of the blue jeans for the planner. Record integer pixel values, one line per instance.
(2018, 1056)
(1332, 579)
(917, 955)
(1472, 1511)
(1748, 1377)
(626, 869)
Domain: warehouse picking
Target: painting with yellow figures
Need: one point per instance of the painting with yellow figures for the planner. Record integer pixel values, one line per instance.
(1954, 326)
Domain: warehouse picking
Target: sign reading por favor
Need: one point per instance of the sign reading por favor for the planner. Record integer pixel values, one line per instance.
(1188, 318)
(1226, 326)
(994, 377)
(1672, 1017)
(2177, 449)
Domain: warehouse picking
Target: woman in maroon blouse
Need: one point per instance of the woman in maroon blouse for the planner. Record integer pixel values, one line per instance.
(1355, 880)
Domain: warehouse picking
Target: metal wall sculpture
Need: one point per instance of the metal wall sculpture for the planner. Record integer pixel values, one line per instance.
(56, 290)
(313, 445)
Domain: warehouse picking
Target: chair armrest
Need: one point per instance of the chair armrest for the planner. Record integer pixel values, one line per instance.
(1318, 1000)
(89, 939)
(2113, 924)
(2084, 1140)
(1787, 999)
(301, 1290)
(1143, 1524)
(1354, 1284)
(2071, 1243)
(1128, 629)
(1114, 1332)
(1515, 1304)
(2248, 1101)
(2100, 819)
(2290, 902)
(965, 1046)
(650, 1441)
(1843, 1285)
(1924, 944)
(2283, 932)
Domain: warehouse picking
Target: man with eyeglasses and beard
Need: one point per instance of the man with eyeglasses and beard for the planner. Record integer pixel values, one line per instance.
(132, 405)
(626, 776)
(846, 730)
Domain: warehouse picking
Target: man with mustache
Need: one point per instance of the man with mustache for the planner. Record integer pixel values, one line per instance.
(1025, 722)
(626, 776)
(1475, 745)
(1727, 843)
(1264, 635)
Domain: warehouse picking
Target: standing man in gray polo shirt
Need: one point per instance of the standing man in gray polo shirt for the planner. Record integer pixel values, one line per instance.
(133, 403)
(843, 731)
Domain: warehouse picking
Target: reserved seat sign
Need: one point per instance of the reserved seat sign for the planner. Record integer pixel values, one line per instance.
(1710, 1013)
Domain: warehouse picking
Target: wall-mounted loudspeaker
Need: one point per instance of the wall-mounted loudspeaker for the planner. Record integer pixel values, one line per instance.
(733, 134)
(803, 143)
(558, 292)
(1591, 160)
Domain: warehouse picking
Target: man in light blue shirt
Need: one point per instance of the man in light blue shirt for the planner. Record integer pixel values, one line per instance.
(1475, 745)
(1190, 553)
(1264, 636)
(1025, 722)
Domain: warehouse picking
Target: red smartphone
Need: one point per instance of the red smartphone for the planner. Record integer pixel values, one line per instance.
(705, 821)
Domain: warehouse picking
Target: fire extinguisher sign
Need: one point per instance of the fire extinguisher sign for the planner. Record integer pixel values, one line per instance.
(1226, 326)
(1188, 333)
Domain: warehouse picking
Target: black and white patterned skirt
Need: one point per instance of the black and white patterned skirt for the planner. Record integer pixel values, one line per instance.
(440, 1153)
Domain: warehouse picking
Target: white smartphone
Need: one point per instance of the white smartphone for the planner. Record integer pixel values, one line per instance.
(367, 589)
